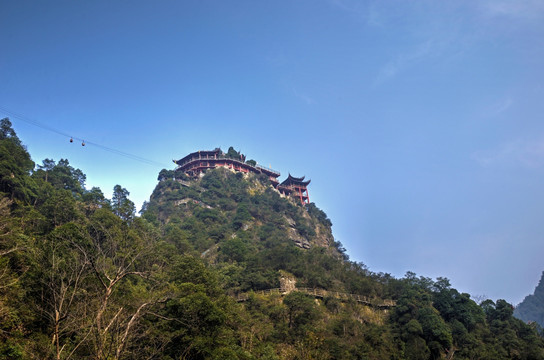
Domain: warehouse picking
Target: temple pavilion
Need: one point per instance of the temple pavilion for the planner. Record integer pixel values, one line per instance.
(195, 164)
(295, 187)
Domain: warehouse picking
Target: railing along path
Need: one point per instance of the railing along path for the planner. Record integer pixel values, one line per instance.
(321, 293)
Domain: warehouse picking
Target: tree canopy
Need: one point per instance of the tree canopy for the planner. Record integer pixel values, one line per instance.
(81, 276)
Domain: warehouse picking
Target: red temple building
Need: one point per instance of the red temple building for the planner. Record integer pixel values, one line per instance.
(198, 162)
(295, 187)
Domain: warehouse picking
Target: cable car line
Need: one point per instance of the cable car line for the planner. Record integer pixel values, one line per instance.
(83, 142)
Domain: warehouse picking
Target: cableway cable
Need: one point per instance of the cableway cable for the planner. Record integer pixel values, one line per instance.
(83, 141)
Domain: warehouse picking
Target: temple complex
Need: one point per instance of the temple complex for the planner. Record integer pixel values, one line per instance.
(198, 162)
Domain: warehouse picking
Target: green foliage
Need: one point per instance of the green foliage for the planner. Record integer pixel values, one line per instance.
(95, 199)
(82, 277)
(532, 307)
(319, 214)
(15, 165)
(301, 313)
(235, 250)
(242, 215)
(59, 208)
(166, 175)
(122, 206)
(233, 154)
(61, 175)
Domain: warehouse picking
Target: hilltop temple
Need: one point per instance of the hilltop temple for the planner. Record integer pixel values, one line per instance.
(198, 162)
(295, 187)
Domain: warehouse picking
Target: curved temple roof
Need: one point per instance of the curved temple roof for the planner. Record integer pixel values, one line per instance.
(295, 180)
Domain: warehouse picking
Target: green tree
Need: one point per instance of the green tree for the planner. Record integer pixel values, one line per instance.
(15, 165)
(12, 307)
(127, 282)
(165, 174)
(197, 313)
(61, 175)
(301, 312)
(95, 199)
(233, 154)
(242, 215)
(59, 208)
(122, 206)
(64, 272)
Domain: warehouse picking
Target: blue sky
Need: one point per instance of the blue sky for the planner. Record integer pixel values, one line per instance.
(419, 123)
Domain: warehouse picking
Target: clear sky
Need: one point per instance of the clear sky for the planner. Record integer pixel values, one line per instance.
(420, 123)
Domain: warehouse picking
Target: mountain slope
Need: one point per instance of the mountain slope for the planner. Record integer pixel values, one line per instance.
(82, 277)
(532, 307)
(239, 222)
(254, 239)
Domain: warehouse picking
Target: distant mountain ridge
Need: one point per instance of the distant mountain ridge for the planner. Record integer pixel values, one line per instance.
(532, 307)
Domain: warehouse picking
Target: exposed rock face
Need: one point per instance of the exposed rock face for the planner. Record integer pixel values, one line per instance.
(287, 282)
(294, 236)
(323, 236)
(290, 221)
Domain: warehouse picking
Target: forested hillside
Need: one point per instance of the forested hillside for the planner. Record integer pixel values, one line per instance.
(83, 277)
(532, 307)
